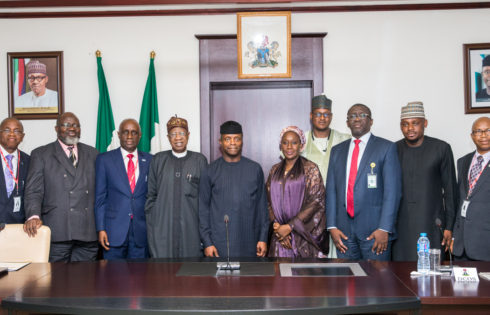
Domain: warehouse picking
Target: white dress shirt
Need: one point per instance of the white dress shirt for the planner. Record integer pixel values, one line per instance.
(135, 162)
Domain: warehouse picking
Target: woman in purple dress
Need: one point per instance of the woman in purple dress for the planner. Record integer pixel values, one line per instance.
(296, 198)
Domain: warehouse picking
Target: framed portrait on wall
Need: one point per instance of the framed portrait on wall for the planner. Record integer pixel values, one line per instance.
(35, 83)
(264, 44)
(477, 78)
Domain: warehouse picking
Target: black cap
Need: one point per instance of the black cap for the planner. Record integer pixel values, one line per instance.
(230, 128)
(486, 61)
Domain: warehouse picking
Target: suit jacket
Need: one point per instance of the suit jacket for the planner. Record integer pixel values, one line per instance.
(114, 201)
(471, 234)
(374, 208)
(7, 203)
(60, 194)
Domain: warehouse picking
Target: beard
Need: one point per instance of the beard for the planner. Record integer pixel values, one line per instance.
(71, 140)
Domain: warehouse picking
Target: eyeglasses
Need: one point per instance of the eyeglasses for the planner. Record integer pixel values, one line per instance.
(325, 115)
(133, 133)
(68, 125)
(480, 132)
(355, 116)
(17, 132)
(37, 79)
(487, 72)
(175, 134)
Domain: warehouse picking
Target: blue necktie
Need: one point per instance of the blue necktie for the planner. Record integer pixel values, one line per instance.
(9, 179)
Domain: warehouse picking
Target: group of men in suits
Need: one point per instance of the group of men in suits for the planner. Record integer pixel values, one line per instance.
(89, 199)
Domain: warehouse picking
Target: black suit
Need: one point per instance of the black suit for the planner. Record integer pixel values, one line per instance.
(7, 214)
(63, 197)
(471, 234)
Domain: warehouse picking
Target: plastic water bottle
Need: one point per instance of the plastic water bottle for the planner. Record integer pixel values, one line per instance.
(423, 245)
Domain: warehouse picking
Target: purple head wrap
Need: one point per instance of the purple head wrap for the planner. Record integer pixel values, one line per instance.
(297, 131)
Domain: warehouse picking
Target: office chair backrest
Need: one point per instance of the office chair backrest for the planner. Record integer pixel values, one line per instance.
(17, 246)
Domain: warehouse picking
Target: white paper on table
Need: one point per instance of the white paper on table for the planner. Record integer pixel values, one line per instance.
(13, 266)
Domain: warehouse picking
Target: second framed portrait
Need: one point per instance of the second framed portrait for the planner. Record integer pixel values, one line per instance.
(477, 77)
(35, 82)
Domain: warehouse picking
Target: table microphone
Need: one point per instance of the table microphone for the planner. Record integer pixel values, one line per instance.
(227, 265)
(445, 268)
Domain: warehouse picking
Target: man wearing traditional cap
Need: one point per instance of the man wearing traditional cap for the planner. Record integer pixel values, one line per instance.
(121, 185)
(428, 186)
(39, 96)
(321, 139)
(232, 189)
(484, 94)
(173, 191)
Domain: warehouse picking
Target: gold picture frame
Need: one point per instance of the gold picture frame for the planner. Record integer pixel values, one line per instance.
(264, 44)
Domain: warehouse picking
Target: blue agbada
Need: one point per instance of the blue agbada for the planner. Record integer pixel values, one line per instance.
(235, 189)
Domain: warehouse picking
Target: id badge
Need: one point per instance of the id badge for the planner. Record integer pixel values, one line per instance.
(17, 203)
(464, 207)
(371, 181)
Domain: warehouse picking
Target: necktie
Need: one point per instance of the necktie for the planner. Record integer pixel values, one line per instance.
(9, 179)
(72, 156)
(352, 179)
(475, 171)
(131, 173)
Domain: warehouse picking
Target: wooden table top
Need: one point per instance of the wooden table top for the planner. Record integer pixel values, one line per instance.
(145, 286)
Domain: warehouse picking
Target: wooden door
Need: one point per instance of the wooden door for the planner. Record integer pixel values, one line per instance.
(262, 106)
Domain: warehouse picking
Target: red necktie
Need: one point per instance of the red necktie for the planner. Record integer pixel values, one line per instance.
(352, 179)
(131, 172)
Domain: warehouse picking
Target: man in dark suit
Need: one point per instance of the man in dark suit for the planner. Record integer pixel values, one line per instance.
(60, 193)
(363, 191)
(472, 228)
(121, 185)
(15, 164)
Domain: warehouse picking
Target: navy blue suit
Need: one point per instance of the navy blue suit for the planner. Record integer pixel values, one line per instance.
(115, 203)
(374, 208)
(7, 214)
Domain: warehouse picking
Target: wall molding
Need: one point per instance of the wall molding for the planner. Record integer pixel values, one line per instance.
(234, 10)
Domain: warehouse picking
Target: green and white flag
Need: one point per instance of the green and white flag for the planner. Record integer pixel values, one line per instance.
(107, 138)
(149, 121)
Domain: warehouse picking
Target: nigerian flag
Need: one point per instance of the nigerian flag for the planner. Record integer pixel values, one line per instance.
(106, 132)
(149, 121)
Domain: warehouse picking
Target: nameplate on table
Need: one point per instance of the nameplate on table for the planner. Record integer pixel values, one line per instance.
(463, 274)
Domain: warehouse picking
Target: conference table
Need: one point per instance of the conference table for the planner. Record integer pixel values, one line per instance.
(160, 286)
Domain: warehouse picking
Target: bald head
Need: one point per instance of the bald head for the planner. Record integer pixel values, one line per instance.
(480, 134)
(11, 120)
(11, 134)
(129, 134)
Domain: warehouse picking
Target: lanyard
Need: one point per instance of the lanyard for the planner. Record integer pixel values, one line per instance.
(472, 184)
(16, 178)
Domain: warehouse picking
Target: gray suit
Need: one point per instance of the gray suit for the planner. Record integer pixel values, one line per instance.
(471, 234)
(62, 195)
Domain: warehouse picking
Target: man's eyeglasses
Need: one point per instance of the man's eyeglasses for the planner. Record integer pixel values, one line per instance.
(175, 134)
(133, 133)
(487, 72)
(480, 132)
(17, 132)
(68, 125)
(319, 115)
(37, 79)
(355, 116)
